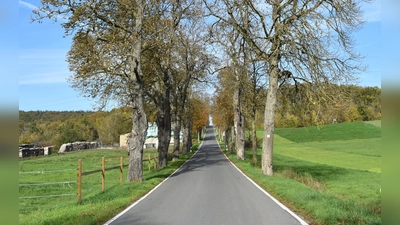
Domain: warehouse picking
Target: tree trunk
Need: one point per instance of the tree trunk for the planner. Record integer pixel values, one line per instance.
(237, 98)
(199, 135)
(164, 126)
(177, 140)
(239, 125)
(164, 137)
(179, 108)
(185, 140)
(227, 137)
(254, 141)
(187, 134)
(268, 140)
(190, 135)
(137, 137)
(233, 139)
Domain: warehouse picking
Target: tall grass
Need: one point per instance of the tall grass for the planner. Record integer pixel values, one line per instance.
(96, 206)
(327, 175)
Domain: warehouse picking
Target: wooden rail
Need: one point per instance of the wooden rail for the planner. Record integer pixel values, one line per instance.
(103, 169)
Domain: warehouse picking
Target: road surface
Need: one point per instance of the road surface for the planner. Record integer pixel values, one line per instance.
(207, 189)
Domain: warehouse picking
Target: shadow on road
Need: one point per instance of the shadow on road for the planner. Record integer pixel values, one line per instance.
(208, 155)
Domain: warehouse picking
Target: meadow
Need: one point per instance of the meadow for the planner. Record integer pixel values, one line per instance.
(328, 175)
(48, 186)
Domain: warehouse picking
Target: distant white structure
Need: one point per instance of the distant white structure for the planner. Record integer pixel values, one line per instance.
(210, 119)
(151, 143)
(151, 137)
(152, 130)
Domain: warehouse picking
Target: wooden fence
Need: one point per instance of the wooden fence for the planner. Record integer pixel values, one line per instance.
(103, 169)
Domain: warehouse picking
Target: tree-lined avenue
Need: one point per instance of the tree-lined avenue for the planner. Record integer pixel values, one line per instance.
(207, 189)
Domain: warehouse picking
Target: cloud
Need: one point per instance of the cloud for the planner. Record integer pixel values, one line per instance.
(44, 78)
(373, 16)
(372, 11)
(369, 44)
(30, 6)
(37, 55)
(43, 66)
(27, 5)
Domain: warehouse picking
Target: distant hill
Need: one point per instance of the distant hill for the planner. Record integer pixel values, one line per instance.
(51, 116)
(45, 128)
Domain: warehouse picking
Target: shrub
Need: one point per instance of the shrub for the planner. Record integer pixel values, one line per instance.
(352, 114)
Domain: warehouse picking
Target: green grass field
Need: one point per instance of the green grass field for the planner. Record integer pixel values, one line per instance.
(55, 200)
(331, 132)
(329, 174)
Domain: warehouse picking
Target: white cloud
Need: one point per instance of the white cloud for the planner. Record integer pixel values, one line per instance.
(27, 5)
(369, 44)
(42, 66)
(30, 6)
(26, 55)
(44, 78)
(372, 11)
(373, 16)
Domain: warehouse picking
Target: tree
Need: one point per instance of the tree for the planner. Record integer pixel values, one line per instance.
(114, 123)
(69, 133)
(186, 123)
(300, 40)
(105, 58)
(192, 64)
(236, 51)
(161, 62)
(254, 96)
(174, 60)
(223, 112)
(157, 62)
(200, 114)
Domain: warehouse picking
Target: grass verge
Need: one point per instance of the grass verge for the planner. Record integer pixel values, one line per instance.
(333, 181)
(320, 193)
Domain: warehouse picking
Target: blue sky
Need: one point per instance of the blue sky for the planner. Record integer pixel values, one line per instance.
(43, 70)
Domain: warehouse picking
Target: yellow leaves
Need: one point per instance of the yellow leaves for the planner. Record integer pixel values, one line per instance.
(317, 106)
(352, 114)
(199, 114)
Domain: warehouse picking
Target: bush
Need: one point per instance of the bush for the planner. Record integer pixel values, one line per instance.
(352, 114)
(68, 135)
(290, 121)
(368, 113)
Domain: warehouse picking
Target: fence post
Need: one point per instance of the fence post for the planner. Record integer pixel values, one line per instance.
(155, 161)
(102, 173)
(120, 169)
(148, 156)
(79, 179)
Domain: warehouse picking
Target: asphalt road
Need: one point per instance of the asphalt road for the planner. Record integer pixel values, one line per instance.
(207, 189)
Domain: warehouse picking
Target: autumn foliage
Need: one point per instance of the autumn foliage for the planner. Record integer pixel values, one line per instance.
(223, 101)
(200, 114)
(47, 128)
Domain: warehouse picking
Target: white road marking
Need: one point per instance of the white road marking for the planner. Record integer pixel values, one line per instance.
(267, 194)
(142, 198)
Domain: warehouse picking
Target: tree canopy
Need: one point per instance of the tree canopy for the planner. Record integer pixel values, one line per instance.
(150, 55)
(301, 41)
